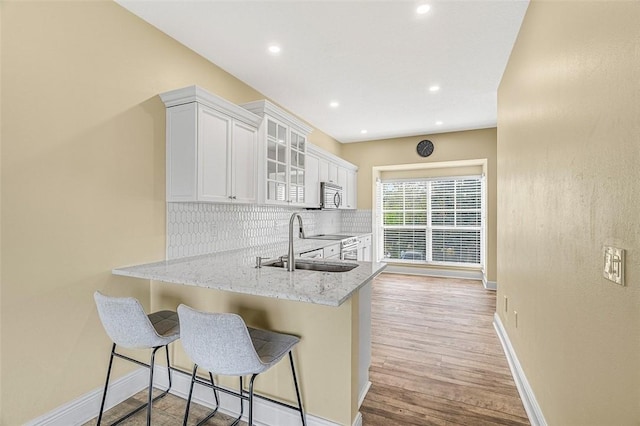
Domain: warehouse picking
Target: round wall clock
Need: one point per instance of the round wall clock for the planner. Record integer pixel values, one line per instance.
(425, 148)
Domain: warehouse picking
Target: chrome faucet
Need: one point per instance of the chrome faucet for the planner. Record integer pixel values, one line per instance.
(291, 264)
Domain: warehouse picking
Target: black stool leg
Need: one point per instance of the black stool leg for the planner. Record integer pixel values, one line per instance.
(215, 391)
(295, 382)
(106, 385)
(215, 410)
(251, 399)
(150, 400)
(168, 367)
(193, 379)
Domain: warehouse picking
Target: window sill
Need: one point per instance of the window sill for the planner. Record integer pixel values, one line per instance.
(433, 265)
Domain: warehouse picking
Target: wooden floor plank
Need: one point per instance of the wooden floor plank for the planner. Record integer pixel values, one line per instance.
(436, 358)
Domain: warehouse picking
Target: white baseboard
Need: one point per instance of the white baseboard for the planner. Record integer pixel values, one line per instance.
(489, 285)
(434, 272)
(364, 393)
(265, 413)
(358, 420)
(86, 407)
(524, 389)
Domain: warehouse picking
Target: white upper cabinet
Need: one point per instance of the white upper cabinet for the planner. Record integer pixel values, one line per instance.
(255, 153)
(282, 151)
(244, 161)
(333, 173)
(323, 172)
(211, 148)
(330, 168)
(347, 179)
(351, 190)
(342, 178)
(312, 181)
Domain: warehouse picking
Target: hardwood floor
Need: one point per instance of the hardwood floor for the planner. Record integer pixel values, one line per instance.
(436, 359)
(168, 411)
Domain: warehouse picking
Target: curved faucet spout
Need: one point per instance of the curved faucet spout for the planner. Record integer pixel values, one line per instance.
(291, 264)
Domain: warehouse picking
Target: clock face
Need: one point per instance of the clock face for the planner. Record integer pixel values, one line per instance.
(425, 148)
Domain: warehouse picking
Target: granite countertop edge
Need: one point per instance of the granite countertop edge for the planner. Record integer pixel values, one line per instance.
(235, 271)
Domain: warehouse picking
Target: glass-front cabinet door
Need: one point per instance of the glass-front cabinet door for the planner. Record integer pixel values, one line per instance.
(276, 162)
(286, 150)
(282, 151)
(297, 152)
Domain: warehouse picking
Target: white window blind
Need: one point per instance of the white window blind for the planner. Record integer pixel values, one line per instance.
(433, 221)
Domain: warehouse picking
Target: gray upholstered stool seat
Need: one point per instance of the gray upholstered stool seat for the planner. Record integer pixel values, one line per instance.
(270, 346)
(166, 324)
(221, 343)
(129, 326)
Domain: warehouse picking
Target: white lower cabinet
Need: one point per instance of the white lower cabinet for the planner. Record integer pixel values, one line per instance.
(332, 251)
(364, 248)
(211, 148)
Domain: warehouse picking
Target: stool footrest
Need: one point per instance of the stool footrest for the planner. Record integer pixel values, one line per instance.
(140, 408)
(244, 395)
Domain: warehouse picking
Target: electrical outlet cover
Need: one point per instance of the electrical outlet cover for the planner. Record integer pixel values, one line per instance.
(613, 264)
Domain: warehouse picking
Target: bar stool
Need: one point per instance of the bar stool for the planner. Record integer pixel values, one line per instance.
(221, 343)
(126, 323)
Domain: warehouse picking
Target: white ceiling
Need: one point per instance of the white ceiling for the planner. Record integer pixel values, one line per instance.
(376, 58)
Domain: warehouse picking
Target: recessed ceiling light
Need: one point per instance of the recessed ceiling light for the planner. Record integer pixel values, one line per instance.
(434, 88)
(422, 9)
(438, 123)
(274, 48)
(334, 104)
(363, 131)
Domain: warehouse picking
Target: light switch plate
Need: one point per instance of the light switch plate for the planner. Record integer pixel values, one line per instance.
(613, 264)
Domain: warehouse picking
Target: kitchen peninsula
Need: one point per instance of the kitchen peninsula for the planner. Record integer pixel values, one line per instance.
(323, 308)
(235, 271)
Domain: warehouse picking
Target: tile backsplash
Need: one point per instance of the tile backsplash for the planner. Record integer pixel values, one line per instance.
(356, 220)
(200, 228)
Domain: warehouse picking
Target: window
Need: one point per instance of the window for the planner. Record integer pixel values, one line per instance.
(433, 221)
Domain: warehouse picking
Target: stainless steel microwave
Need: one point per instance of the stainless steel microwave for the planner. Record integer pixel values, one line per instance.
(330, 196)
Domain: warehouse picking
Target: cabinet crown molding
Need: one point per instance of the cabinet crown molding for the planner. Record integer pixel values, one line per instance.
(264, 107)
(332, 158)
(197, 94)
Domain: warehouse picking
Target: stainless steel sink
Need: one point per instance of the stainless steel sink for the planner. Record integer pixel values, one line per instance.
(317, 266)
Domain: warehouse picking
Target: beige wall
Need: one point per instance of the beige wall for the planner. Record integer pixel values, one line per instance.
(454, 146)
(83, 183)
(568, 176)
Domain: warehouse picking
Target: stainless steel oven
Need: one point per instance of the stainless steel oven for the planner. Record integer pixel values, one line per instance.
(349, 245)
(349, 248)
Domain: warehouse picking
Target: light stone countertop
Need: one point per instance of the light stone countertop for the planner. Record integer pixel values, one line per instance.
(235, 271)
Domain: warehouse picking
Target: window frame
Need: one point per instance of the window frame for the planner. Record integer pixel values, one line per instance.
(429, 227)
